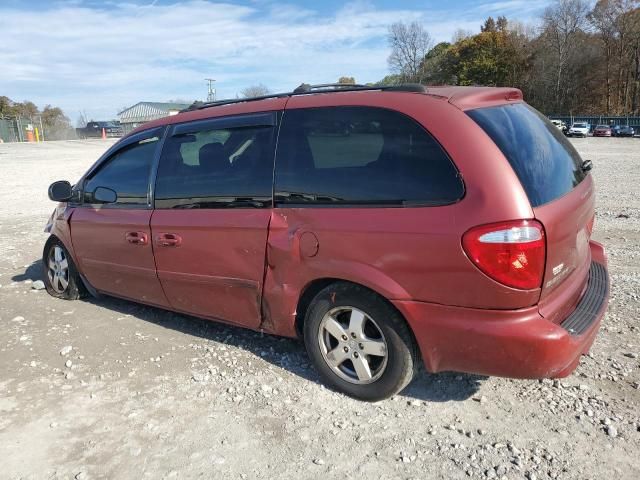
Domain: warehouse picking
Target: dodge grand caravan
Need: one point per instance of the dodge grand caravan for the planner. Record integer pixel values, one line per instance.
(380, 225)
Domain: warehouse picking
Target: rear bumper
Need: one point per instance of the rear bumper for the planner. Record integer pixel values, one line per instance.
(509, 343)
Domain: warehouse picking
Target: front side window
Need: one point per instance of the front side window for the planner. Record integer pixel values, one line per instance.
(126, 173)
(361, 156)
(216, 168)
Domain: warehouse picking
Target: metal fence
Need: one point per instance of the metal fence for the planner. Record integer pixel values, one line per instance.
(21, 129)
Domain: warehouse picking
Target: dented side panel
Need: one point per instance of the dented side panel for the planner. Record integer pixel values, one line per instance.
(217, 270)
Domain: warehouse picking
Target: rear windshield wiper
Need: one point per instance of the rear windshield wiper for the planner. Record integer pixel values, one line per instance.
(586, 165)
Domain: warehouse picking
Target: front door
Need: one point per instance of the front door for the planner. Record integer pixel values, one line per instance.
(112, 241)
(213, 198)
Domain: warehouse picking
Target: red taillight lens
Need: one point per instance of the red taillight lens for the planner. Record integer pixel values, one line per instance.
(512, 253)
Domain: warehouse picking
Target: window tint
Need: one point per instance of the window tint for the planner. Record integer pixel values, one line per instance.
(127, 173)
(361, 155)
(545, 161)
(216, 168)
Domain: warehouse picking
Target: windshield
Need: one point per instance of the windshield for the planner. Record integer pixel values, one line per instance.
(580, 125)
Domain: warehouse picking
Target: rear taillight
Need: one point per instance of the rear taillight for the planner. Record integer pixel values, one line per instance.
(512, 253)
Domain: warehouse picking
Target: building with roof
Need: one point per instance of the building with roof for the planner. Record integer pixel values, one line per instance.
(143, 112)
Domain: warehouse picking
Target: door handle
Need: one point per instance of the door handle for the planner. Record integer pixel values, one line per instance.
(169, 240)
(137, 238)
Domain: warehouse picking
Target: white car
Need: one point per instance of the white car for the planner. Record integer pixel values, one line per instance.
(579, 130)
(560, 125)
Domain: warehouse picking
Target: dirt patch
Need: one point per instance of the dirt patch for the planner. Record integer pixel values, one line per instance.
(145, 393)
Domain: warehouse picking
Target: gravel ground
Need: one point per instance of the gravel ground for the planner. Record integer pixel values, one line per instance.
(110, 389)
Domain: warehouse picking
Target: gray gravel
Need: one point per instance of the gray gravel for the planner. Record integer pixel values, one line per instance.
(109, 389)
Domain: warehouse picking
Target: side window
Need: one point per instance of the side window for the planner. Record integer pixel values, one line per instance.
(216, 168)
(127, 173)
(361, 155)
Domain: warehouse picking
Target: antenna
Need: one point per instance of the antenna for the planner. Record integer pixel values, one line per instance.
(211, 95)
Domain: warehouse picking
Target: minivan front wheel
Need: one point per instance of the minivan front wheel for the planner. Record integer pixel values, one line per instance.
(359, 344)
(61, 278)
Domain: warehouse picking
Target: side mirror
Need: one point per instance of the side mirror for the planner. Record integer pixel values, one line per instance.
(60, 191)
(104, 195)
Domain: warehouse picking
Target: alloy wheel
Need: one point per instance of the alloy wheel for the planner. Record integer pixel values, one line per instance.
(58, 269)
(353, 345)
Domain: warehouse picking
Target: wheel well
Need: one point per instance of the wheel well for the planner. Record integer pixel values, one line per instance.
(52, 238)
(317, 285)
(307, 296)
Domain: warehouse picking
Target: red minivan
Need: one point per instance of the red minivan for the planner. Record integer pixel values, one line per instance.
(379, 224)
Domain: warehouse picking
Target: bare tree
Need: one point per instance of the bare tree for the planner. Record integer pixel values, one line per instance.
(460, 34)
(409, 45)
(626, 30)
(258, 90)
(635, 61)
(603, 18)
(562, 23)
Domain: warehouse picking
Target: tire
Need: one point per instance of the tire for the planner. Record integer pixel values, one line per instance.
(61, 277)
(369, 324)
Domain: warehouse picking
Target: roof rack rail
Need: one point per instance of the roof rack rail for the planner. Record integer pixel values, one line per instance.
(305, 88)
(198, 105)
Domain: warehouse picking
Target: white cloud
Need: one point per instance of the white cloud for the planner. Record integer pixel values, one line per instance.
(101, 59)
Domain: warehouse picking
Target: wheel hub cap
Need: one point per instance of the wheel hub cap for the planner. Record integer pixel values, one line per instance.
(352, 345)
(58, 269)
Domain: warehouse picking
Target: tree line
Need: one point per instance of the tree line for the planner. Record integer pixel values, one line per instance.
(55, 122)
(579, 60)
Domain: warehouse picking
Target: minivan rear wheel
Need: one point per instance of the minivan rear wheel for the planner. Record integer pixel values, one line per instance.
(359, 343)
(61, 278)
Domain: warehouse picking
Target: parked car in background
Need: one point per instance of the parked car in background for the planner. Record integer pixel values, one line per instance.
(560, 125)
(580, 129)
(94, 130)
(355, 219)
(623, 131)
(602, 131)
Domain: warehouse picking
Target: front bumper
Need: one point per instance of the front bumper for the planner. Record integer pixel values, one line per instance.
(510, 343)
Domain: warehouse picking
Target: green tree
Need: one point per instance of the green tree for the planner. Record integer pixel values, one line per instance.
(491, 58)
(6, 106)
(436, 65)
(26, 109)
(347, 80)
(390, 80)
(502, 24)
(489, 25)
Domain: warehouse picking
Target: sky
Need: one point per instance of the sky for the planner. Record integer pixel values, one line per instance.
(99, 57)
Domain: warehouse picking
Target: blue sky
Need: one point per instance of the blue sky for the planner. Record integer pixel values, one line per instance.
(101, 56)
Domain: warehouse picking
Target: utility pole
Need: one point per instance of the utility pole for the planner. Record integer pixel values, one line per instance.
(211, 96)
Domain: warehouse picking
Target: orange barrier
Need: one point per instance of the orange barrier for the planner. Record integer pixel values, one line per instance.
(30, 136)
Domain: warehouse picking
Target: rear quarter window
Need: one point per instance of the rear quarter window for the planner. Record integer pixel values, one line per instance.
(361, 156)
(543, 159)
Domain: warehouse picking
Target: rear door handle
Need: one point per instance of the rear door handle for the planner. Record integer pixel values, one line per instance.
(169, 240)
(137, 238)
